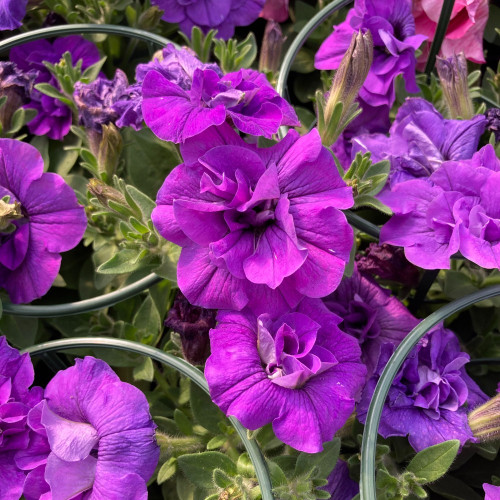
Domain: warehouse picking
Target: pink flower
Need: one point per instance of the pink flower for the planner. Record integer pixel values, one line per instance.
(275, 10)
(465, 31)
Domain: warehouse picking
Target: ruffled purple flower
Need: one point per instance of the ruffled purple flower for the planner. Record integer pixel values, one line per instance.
(95, 100)
(245, 97)
(222, 15)
(371, 315)
(12, 13)
(16, 400)
(54, 118)
(394, 42)
(420, 140)
(41, 217)
(258, 227)
(431, 394)
(340, 485)
(454, 210)
(298, 371)
(100, 433)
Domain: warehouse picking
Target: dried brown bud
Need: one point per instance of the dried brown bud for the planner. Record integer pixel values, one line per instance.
(105, 193)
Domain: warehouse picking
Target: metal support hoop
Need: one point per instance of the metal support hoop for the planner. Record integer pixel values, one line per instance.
(180, 365)
(368, 448)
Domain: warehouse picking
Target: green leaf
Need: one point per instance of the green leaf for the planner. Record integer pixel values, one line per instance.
(325, 461)
(167, 470)
(453, 488)
(276, 474)
(148, 317)
(205, 412)
(51, 91)
(247, 50)
(216, 442)
(144, 370)
(144, 202)
(244, 466)
(198, 467)
(431, 463)
(183, 423)
(221, 479)
(20, 118)
(322, 494)
(366, 200)
(92, 72)
(20, 331)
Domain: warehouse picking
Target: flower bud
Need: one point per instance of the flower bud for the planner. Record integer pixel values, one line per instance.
(340, 107)
(110, 149)
(150, 18)
(484, 421)
(272, 43)
(105, 193)
(192, 323)
(453, 76)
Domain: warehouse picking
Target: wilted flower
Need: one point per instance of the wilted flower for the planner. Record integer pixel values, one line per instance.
(100, 432)
(493, 122)
(12, 13)
(275, 10)
(430, 395)
(270, 52)
(298, 371)
(223, 15)
(453, 76)
(52, 222)
(257, 226)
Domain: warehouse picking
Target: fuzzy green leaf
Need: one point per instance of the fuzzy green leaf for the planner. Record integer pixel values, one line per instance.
(198, 467)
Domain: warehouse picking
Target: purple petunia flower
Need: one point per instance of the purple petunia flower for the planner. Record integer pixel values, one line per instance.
(340, 485)
(454, 210)
(370, 314)
(298, 371)
(95, 100)
(420, 140)
(16, 400)
(222, 15)
(40, 217)
(491, 492)
(431, 394)
(258, 227)
(100, 433)
(54, 118)
(394, 42)
(12, 13)
(245, 97)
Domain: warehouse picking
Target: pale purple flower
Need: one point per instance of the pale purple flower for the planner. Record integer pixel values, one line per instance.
(258, 227)
(43, 218)
(54, 117)
(340, 485)
(420, 140)
(455, 209)
(392, 27)
(298, 371)
(100, 433)
(370, 314)
(430, 396)
(491, 492)
(16, 400)
(95, 100)
(222, 15)
(245, 97)
(12, 13)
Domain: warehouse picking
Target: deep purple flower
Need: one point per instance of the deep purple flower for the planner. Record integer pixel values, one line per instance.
(340, 485)
(40, 219)
(454, 210)
(298, 371)
(393, 29)
(431, 394)
(54, 118)
(101, 436)
(420, 140)
(245, 97)
(95, 100)
(258, 227)
(12, 13)
(491, 492)
(16, 400)
(493, 122)
(371, 315)
(128, 107)
(222, 15)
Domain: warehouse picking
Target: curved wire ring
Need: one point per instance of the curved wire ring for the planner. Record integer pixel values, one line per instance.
(111, 298)
(180, 365)
(368, 447)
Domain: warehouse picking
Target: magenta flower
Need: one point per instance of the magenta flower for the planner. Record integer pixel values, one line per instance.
(371, 315)
(491, 492)
(298, 371)
(16, 400)
(101, 435)
(54, 118)
(222, 15)
(431, 394)
(393, 29)
(258, 227)
(40, 218)
(245, 97)
(275, 10)
(12, 13)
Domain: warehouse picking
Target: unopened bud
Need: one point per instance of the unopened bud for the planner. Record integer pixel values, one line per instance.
(484, 421)
(8, 213)
(110, 149)
(105, 193)
(340, 107)
(453, 76)
(272, 44)
(150, 18)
